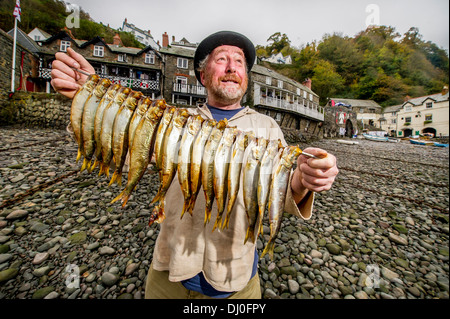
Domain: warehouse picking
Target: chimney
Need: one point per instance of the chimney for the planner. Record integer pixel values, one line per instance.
(165, 40)
(407, 98)
(445, 90)
(125, 20)
(173, 38)
(307, 83)
(116, 40)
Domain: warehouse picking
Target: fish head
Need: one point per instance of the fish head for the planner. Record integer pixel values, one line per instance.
(160, 103)
(229, 135)
(181, 118)
(91, 82)
(196, 123)
(272, 147)
(222, 124)
(133, 99)
(143, 105)
(121, 95)
(290, 155)
(102, 87)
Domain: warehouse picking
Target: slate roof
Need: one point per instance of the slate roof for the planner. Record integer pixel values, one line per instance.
(25, 40)
(269, 72)
(439, 97)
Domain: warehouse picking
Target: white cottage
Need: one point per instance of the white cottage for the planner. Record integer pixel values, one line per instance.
(425, 114)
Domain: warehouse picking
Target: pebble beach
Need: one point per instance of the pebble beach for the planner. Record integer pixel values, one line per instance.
(381, 232)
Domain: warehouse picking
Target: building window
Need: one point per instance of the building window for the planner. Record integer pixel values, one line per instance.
(121, 58)
(429, 105)
(298, 91)
(268, 80)
(408, 108)
(280, 84)
(408, 119)
(429, 117)
(64, 45)
(310, 97)
(182, 63)
(99, 50)
(150, 58)
(393, 121)
(305, 94)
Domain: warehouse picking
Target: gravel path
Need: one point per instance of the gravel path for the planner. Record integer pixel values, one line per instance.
(381, 232)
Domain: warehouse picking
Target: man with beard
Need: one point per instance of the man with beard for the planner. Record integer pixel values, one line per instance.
(189, 259)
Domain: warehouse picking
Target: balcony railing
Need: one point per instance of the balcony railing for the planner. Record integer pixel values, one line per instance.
(310, 110)
(189, 89)
(141, 84)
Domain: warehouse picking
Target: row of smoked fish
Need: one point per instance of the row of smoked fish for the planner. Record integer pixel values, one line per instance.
(109, 121)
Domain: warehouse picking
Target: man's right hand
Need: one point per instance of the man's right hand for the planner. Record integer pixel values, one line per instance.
(66, 80)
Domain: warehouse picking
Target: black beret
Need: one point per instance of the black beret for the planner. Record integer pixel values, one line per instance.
(224, 38)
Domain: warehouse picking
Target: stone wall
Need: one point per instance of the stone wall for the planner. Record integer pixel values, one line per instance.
(29, 62)
(37, 110)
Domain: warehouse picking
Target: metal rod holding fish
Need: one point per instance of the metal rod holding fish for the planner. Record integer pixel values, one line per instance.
(80, 71)
(314, 156)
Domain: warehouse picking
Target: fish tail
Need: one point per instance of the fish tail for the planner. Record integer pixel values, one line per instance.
(104, 169)
(191, 204)
(186, 205)
(85, 165)
(207, 214)
(217, 223)
(226, 221)
(269, 249)
(123, 196)
(250, 234)
(116, 177)
(96, 162)
(90, 166)
(156, 198)
(78, 155)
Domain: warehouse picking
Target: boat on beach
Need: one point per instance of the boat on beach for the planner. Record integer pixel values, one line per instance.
(349, 142)
(440, 144)
(375, 138)
(421, 142)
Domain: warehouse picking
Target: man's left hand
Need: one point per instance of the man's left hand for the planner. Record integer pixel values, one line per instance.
(313, 174)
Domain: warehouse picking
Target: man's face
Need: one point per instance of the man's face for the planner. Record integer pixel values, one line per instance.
(225, 75)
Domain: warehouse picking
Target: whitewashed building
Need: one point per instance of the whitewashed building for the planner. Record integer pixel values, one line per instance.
(142, 36)
(425, 114)
(279, 59)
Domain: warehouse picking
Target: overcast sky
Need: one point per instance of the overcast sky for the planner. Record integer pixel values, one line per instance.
(302, 21)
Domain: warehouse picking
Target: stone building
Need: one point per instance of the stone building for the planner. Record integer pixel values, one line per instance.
(137, 68)
(181, 87)
(368, 112)
(291, 104)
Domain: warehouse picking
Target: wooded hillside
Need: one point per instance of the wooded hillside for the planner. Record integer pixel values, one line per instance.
(50, 16)
(377, 64)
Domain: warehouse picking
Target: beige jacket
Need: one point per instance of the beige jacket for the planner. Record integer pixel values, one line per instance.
(185, 247)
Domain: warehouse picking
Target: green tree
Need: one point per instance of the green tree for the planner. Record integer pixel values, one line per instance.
(279, 42)
(326, 82)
